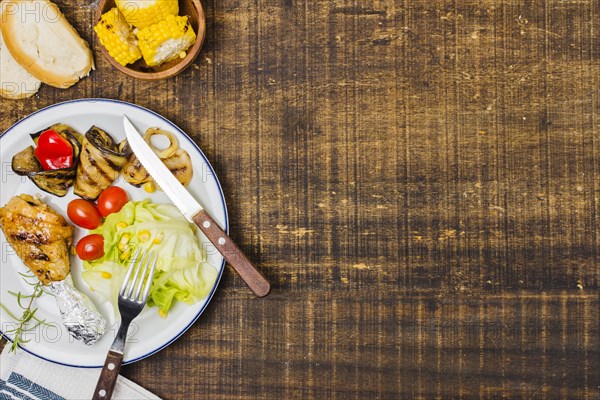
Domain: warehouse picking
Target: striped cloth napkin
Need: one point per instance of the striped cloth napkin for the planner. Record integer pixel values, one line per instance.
(26, 377)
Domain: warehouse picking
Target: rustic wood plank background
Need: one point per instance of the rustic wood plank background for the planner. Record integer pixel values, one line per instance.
(420, 180)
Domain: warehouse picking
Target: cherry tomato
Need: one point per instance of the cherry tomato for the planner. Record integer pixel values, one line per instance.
(53, 151)
(90, 247)
(111, 200)
(84, 213)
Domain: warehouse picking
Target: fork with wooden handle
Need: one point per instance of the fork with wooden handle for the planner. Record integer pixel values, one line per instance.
(132, 298)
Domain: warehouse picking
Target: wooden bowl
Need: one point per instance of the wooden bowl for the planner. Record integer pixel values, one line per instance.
(139, 69)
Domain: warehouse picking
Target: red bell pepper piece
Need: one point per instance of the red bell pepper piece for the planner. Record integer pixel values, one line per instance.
(53, 151)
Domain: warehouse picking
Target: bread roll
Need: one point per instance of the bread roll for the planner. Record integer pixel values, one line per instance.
(44, 43)
(15, 81)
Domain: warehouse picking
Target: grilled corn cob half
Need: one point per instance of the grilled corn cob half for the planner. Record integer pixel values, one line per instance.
(166, 40)
(143, 13)
(117, 37)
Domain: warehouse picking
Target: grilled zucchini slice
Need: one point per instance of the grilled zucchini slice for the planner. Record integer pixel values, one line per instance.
(176, 159)
(100, 163)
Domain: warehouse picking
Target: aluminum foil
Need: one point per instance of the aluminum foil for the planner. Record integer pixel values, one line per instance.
(79, 314)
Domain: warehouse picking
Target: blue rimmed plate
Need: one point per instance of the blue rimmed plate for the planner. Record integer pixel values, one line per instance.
(149, 332)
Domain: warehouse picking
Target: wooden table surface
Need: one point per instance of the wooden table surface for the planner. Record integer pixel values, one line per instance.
(419, 180)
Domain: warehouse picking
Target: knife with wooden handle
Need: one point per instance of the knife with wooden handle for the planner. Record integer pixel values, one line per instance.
(194, 212)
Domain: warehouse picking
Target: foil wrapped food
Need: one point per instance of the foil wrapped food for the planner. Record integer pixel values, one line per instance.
(79, 315)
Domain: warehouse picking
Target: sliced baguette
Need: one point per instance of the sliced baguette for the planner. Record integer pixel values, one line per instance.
(44, 43)
(15, 81)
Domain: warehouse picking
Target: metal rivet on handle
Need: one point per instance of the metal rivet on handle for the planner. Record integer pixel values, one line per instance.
(206, 224)
(111, 366)
(222, 241)
(102, 393)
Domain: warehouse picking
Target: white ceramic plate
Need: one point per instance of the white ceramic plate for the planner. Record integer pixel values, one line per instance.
(149, 332)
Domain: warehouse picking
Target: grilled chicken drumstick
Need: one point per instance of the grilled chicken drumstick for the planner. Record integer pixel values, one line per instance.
(41, 238)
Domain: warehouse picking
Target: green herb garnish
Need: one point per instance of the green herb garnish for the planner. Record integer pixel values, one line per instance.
(28, 321)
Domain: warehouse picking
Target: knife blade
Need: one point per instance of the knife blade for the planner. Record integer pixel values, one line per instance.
(194, 212)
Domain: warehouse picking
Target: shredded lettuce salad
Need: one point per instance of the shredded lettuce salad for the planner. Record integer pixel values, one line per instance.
(182, 272)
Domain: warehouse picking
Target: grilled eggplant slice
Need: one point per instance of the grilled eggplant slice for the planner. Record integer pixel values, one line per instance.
(176, 159)
(100, 163)
(57, 181)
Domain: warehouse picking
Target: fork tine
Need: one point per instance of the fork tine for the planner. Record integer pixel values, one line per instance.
(132, 264)
(135, 271)
(143, 258)
(145, 267)
(150, 276)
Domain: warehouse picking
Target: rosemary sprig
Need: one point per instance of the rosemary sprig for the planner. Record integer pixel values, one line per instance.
(28, 321)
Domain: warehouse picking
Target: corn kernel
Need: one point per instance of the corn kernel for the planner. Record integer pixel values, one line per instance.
(150, 187)
(124, 256)
(166, 40)
(157, 240)
(124, 242)
(106, 275)
(121, 225)
(144, 236)
(162, 313)
(143, 13)
(116, 35)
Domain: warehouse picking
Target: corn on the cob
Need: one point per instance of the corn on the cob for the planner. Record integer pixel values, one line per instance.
(143, 13)
(166, 40)
(117, 37)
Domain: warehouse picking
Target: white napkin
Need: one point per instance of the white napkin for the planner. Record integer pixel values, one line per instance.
(26, 377)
